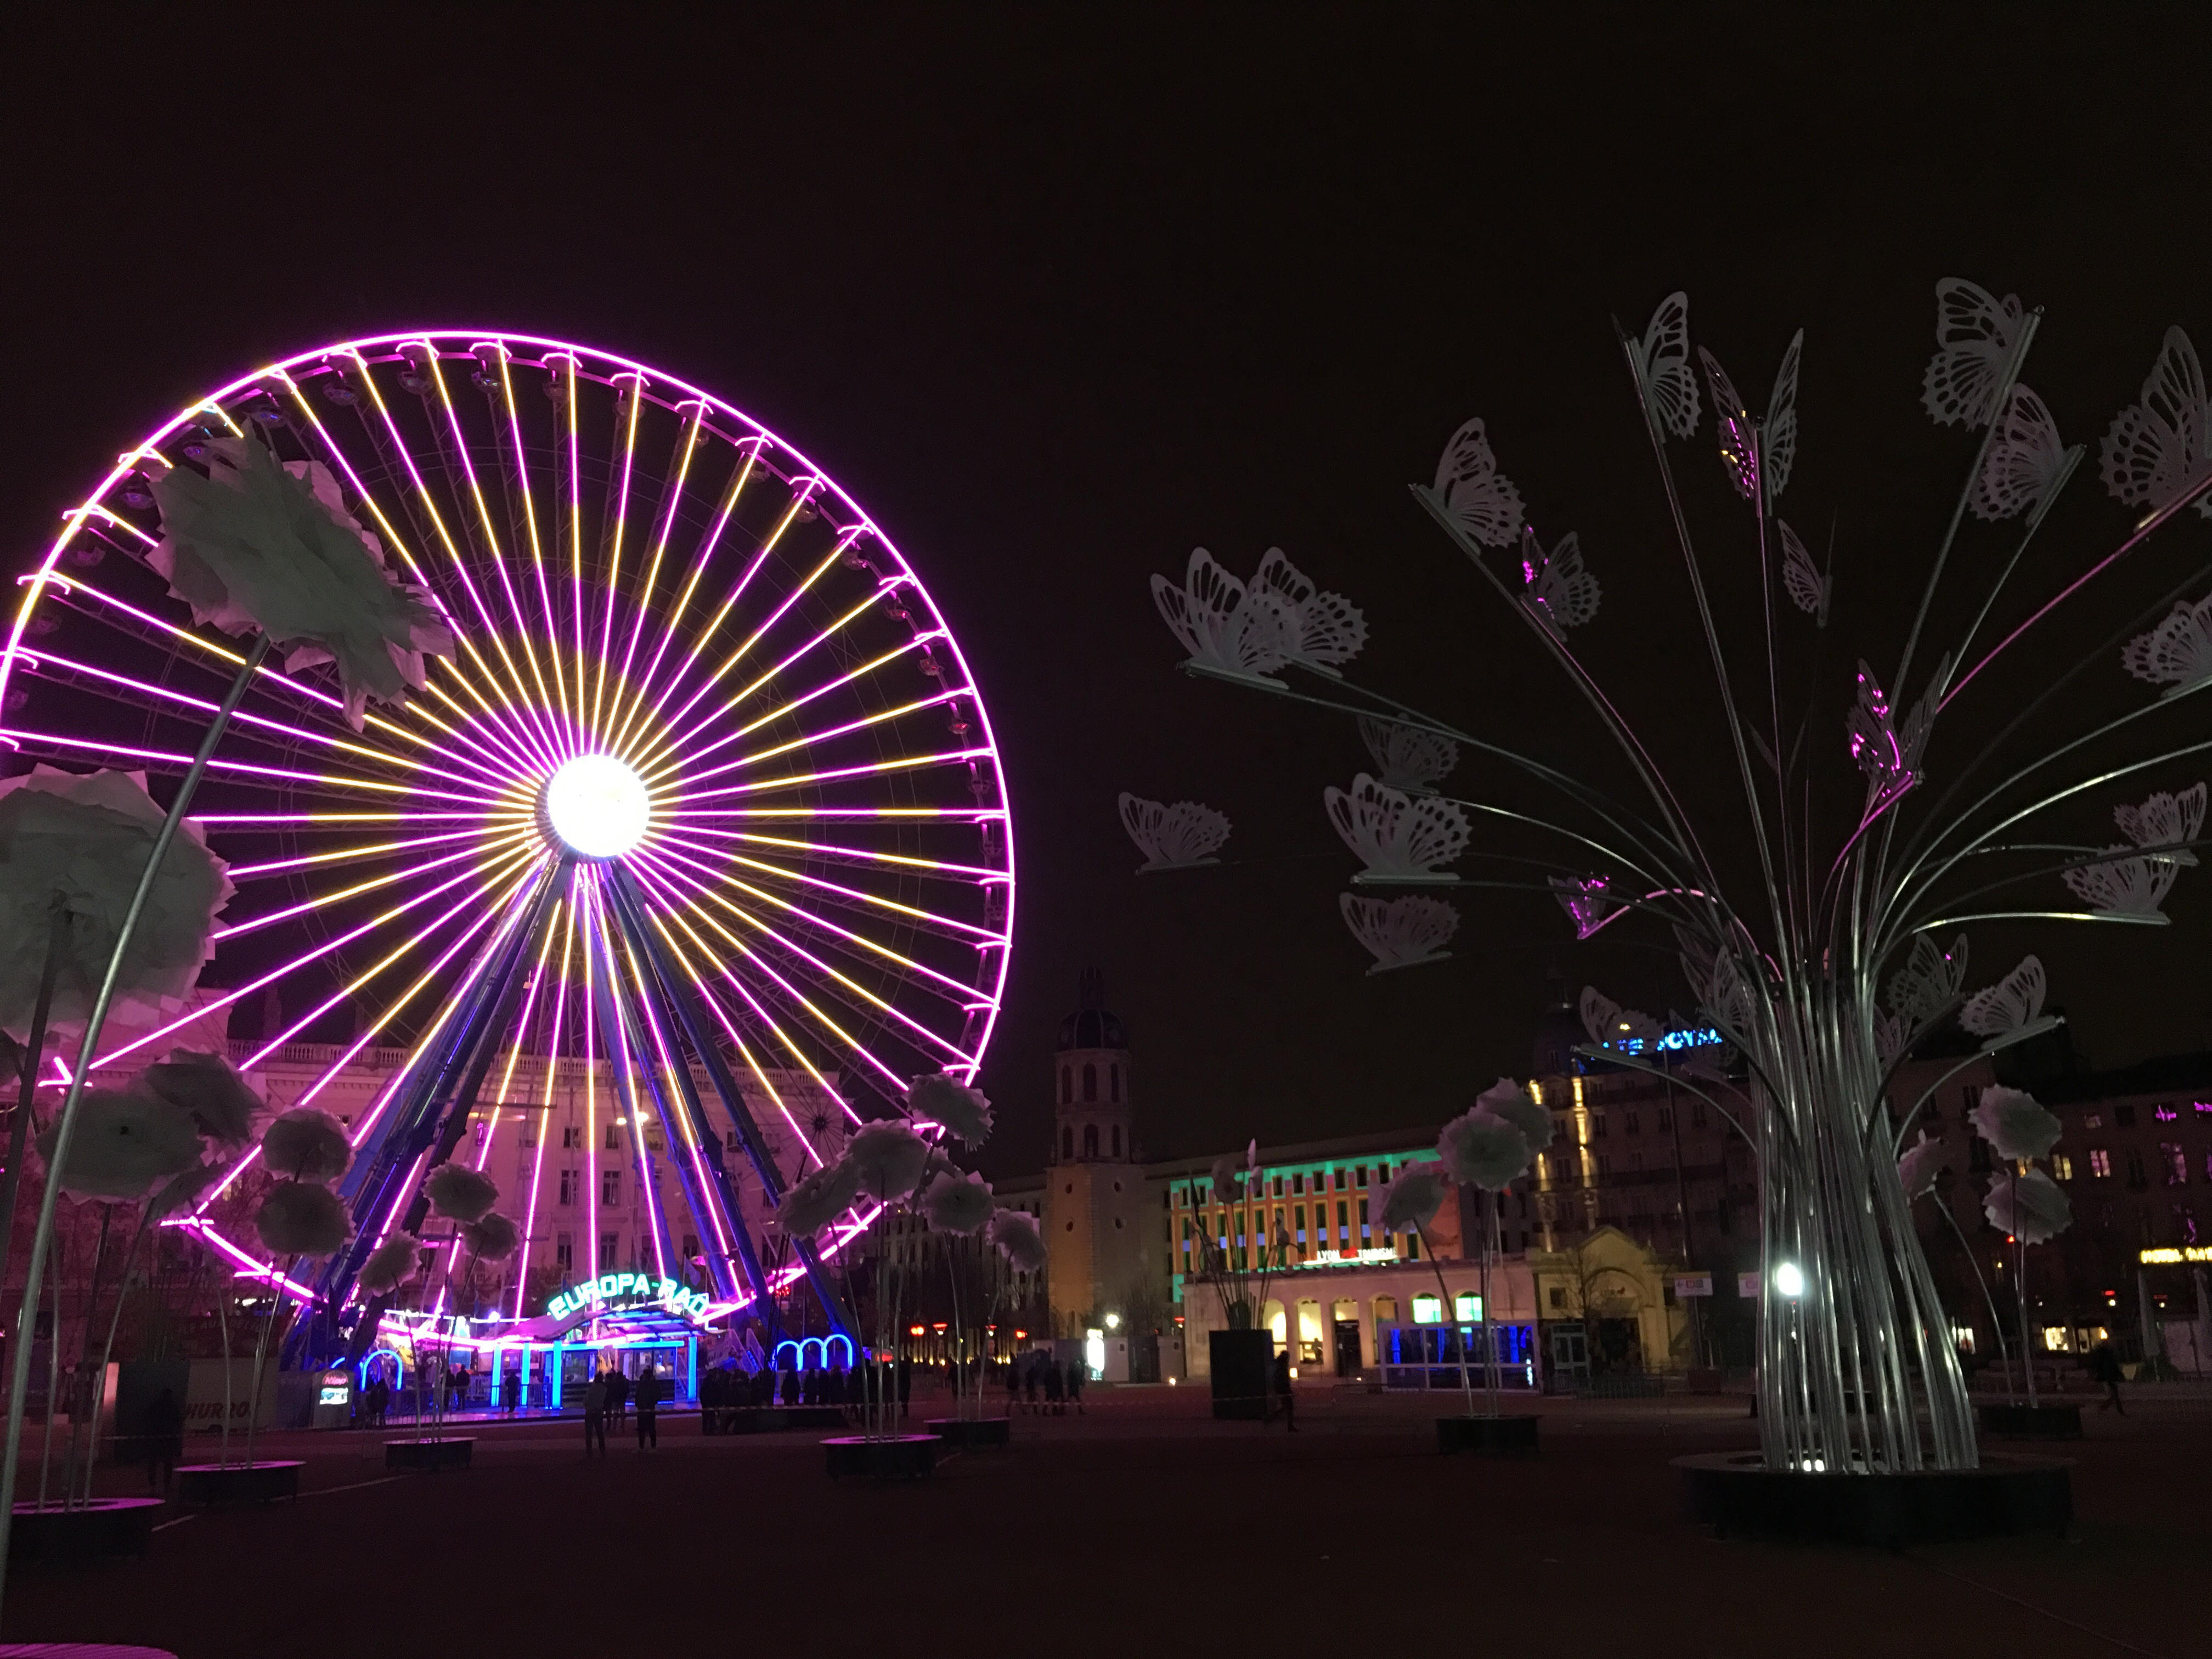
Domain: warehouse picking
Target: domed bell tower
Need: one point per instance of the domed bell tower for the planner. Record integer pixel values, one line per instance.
(1093, 1189)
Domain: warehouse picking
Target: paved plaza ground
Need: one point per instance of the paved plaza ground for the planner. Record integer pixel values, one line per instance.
(1140, 1527)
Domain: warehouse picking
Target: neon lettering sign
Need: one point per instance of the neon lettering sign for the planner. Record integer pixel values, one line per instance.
(1687, 1037)
(610, 1292)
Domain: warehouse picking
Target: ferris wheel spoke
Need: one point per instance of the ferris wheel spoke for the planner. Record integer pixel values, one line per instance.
(974, 874)
(858, 996)
(671, 625)
(864, 723)
(238, 873)
(951, 927)
(738, 699)
(798, 999)
(687, 446)
(564, 364)
(564, 923)
(832, 775)
(516, 843)
(519, 461)
(744, 649)
(435, 669)
(629, 409)
(491, 538)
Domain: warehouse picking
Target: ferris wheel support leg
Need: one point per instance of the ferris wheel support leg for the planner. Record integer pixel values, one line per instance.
(453, 1072)
(635, 1014)
(630, 912)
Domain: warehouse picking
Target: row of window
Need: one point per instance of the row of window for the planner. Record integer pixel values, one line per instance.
(1090, 1141)
(610, 1261)
(1090, 1082)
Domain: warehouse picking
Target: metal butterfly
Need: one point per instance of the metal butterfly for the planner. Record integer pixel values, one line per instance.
(1756, 452)
(1662, 361)
(1809, 589)
(1974, 336)
(1560, 592)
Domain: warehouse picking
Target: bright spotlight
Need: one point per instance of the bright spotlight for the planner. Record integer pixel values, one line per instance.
(597, 807)
(1789, 1280)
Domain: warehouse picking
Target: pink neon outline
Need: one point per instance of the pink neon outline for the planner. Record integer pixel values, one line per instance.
(757, 436)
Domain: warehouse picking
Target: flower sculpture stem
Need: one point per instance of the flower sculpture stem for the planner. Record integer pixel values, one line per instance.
(2020, 1286)
(1996, 1318)
(27, 1089)
(19, 1382)
(1449, 1314)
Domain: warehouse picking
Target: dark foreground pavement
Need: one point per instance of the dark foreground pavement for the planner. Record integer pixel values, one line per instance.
(1139, 1526)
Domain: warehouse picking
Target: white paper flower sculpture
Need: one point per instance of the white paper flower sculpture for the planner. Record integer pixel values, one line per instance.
(1507, 1099)
(2178, 652)
(942, 1098)
(492, 1237)
(1922, 1162)
(1182, 836)
(957, 1203)
(1410, 757)
(2008, 1008)
(394, 1262)
(1227, 1175)
(208, 1087)
(308, 1144)
(2014, 1123)
(126, 1143)
(1483, 1151)
(302, 1218)
(1397, 838)
(1402, 932)
(86, 839)
(1415, 1194)
(459, 1193)
(2165, 820)
(255, 545)
(890, 1158)
(818, 1199)
(181, 1192)
(1014, 1234)
(2032, 1208)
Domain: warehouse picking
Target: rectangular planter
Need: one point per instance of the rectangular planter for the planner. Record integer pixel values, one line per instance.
(261, 1481)
(450, 1452)
(1240, 1361)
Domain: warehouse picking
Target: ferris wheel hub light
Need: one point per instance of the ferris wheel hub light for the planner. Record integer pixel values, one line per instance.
(595, 806)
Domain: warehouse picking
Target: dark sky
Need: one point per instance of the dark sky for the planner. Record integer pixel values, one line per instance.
(1060, 298)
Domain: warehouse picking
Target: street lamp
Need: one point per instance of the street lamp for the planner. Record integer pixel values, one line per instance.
(1789, 1280)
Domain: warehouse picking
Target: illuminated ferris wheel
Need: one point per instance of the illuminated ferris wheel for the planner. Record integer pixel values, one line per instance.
(704, 805)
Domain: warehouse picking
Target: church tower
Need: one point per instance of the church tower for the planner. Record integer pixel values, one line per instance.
(1094, 1190)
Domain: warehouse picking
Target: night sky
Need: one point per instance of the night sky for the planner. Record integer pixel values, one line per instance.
(1059, 303)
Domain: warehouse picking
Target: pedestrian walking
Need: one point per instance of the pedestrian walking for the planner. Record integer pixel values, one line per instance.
(1050, 1367)
(1280, 1379)
(165, 1439)
(648, 1408)
(2105, 1369)
(595, 1414)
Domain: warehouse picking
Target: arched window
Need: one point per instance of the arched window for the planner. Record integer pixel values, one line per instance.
(1117, 1140)
(1089, 1081)
(1113, 1083)
(1067, 1143)
(1067, 1086)
(1090, 1141)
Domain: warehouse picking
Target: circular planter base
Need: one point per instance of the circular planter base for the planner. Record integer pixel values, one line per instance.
(258, 1482)
(105, 1526)
(1497, 1437)
(972, 1432)
(450, 1452)
(901, 1457)
(2031, 1422)
(1735, 1494)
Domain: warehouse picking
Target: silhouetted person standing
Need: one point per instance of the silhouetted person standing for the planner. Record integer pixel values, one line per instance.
(2104, 1368)
(1280, 1380)
(595, 1414)
(618, 1395)
(648, 1409)
(165, 1439)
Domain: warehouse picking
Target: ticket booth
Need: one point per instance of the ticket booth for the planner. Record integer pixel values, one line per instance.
(333, 1398)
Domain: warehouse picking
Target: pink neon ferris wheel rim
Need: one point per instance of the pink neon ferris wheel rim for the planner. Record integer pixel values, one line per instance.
(853, 946)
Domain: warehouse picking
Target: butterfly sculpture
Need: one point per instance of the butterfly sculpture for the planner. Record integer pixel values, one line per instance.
(2165, 820)
(1662, 362)
(2178, 652)
(1929, 982)
(2159, 447)
(1247, 631)
(1558, 592)
(2007, 1008)
(1411, 759)
(1612, 1026)
(1396, 837)
(1809, 587)
(1403, 933)
(1474, 495)
(1889, 755)
(1758, 454)
(1588, 900)
(2130, 886)
(1975, 332)
(1179, 837)
(2026, 461)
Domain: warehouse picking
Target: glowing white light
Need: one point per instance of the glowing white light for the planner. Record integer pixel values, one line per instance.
(1789, 1280)
(1113, 1321)
(598, 806)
